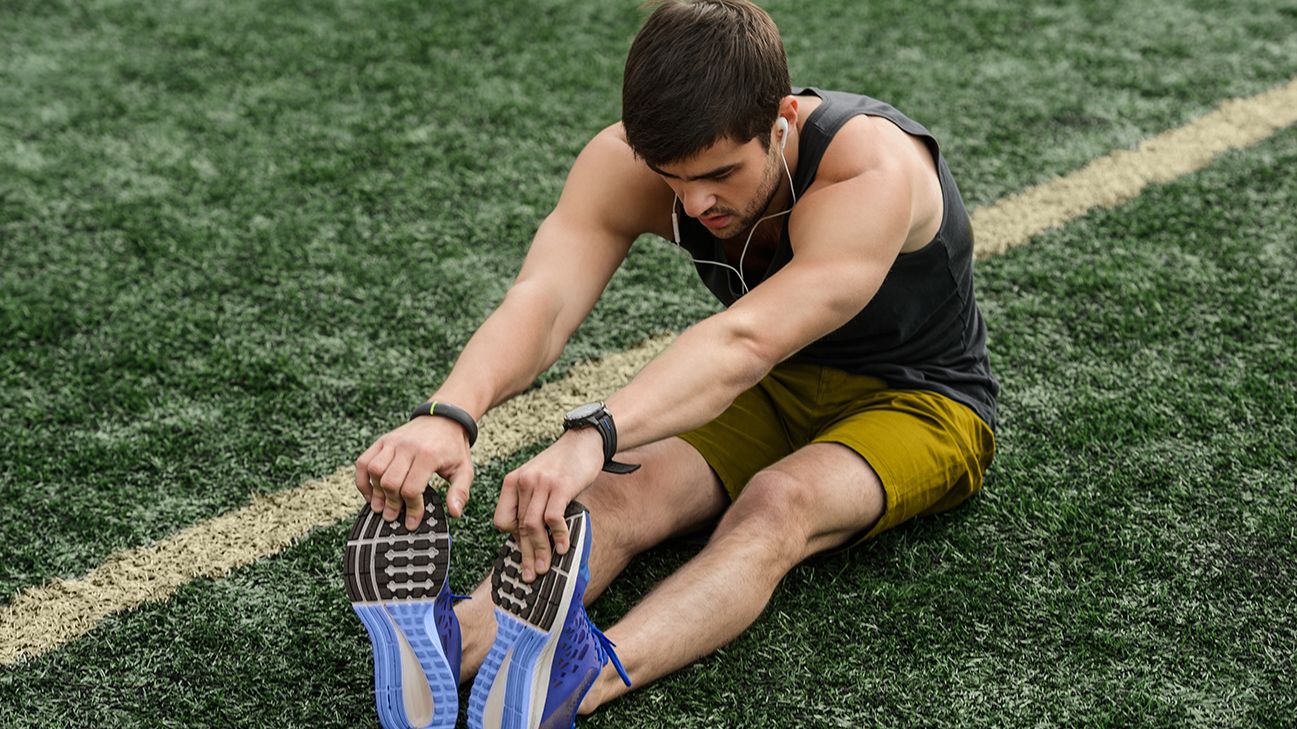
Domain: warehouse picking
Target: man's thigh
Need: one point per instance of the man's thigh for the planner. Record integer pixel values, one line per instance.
(887, 457)
(926, 451)
(847, 441)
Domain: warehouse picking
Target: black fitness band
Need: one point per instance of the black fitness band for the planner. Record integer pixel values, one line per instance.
(441, 409)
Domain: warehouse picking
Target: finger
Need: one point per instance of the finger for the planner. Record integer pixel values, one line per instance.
(377, 468)
(362, 469)
(557, 525)
(460, 483)
(537, 536)
(506, 510)
(378, 498)
(412, 489)
(391, 482)
(523, 531)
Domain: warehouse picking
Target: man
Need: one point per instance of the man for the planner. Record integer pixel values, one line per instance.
(844, 389)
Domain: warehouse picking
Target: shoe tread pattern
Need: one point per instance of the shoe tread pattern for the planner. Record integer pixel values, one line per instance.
(385, 561)
(536, 603)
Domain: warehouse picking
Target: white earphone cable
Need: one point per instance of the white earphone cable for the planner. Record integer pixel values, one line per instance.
(675, 225)
(792, 192)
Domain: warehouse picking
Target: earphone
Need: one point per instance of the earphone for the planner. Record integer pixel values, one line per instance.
(782, 125)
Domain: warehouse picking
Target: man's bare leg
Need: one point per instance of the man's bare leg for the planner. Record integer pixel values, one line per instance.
(815, 499)
(674, 493)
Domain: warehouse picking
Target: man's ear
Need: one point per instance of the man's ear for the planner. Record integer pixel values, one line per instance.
(788, 108)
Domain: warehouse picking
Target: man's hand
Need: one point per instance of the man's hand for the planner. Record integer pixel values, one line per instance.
(395, 470)
(536, 495)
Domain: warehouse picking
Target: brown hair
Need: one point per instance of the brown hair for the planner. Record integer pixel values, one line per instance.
(699, 71)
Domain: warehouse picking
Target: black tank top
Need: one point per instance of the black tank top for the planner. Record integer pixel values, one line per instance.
(922, 330)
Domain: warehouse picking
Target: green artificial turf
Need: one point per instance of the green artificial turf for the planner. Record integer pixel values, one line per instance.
(239, 240)
(1130, 562)
(242, 240)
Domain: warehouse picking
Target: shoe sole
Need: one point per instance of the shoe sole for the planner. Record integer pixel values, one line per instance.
(393, 577)
(509, 692)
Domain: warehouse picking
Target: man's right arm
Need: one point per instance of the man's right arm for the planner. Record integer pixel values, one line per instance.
(609, 199)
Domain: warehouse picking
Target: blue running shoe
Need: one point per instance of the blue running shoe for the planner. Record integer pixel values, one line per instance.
(540, 667)
(398, 583)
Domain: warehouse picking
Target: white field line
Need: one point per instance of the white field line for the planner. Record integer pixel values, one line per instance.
(1120, 176)
(42, 618)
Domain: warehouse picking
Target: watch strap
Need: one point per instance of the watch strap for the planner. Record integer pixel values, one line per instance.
(603, 423)
(618, 467)
(608, 431)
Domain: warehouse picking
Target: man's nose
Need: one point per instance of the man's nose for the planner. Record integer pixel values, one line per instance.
(698, 201)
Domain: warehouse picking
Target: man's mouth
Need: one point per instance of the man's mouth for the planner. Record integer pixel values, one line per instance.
(716, 222)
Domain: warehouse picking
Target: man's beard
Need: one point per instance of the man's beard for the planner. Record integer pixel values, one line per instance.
(766, 195)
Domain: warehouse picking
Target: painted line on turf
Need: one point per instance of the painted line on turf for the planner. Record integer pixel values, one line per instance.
(1122, 175)
(42, 618)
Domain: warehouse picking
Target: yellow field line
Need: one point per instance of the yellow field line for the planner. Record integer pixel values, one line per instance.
(45, 617)
(1120, 176)
(42, 618)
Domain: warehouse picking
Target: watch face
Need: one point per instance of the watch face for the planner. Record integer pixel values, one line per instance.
(581, 412)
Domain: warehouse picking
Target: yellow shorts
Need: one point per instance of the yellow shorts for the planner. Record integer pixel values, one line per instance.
(929, 451)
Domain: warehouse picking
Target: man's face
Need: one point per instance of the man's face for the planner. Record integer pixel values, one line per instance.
(727, 186)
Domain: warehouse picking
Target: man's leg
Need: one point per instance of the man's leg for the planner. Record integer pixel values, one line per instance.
(813, 500)
(674, 493)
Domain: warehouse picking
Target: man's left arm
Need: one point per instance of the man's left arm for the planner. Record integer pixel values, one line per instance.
(847, 235)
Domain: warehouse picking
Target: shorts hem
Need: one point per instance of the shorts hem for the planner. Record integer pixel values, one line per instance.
(880, 524)
(703, 445)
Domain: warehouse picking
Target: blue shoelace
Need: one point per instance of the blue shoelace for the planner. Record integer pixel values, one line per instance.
(606, 650)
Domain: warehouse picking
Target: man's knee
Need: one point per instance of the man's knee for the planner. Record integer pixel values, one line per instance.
(617, 512)
(675, 492)
(771, 512)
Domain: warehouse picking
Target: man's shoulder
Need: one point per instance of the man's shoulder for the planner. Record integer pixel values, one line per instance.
(614, 136)
(610, 147)
(610, 185)
(865, 146)
(874, 152)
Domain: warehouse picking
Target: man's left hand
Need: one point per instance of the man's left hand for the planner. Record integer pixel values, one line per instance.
(536, 495)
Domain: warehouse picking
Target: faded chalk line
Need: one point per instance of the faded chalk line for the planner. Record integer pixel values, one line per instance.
(1120, 176)
(42, 618)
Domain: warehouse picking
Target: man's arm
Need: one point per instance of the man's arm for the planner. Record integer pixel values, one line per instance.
(605, 205)
(852, 233)
(846, 237)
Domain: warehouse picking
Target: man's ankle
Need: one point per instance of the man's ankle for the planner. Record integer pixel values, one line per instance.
(477, 640)
(604, 689)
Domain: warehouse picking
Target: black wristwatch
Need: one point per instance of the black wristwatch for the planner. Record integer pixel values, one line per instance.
(595, 415)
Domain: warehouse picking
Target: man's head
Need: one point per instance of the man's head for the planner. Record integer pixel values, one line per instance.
(701, 71)
(705, 82)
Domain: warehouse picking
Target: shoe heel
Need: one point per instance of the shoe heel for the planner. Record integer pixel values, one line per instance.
(387, 665)
(416, 621)
(520, 691)
(393, 577)
(486, 703)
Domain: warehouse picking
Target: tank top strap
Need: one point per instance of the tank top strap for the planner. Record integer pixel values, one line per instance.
(837, 108)
(816, 135)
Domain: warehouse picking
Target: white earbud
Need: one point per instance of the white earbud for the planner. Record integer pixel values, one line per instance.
(782, 125)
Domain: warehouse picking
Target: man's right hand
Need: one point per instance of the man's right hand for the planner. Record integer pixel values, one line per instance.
(396, 469)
